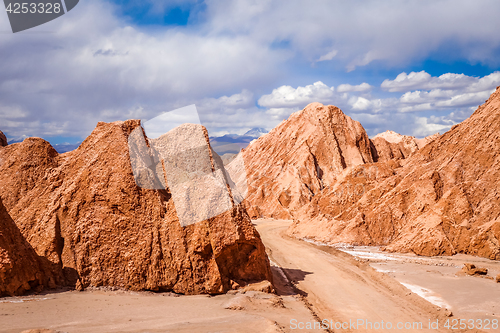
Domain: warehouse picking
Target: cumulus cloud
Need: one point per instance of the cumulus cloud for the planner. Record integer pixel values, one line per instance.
(363, 104)
(360, 87)
(451, 99)
(448, 91)
(287, 96)
(449, 81)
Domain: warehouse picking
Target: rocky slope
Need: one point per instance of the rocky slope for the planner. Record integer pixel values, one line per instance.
(20, 267)
(443, 200)
(307, 154)
(391, 145)
(287, 167)
(83, 212)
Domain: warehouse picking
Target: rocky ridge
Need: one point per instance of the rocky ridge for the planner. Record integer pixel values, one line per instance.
(84, 215)
(288, 166)
(308, 153)
(442, 200)
(436, 196)
(391, 145)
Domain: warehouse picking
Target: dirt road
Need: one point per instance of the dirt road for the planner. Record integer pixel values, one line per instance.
(343, 289)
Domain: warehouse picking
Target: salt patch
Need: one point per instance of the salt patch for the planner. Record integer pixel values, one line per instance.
(427, 295)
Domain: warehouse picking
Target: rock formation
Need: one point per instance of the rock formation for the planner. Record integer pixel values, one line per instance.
(307, 154)
(287, 167)
(83, 212)
(19, 265)
(391, 145)
(3, 139)
(471, 269)
(444, 199)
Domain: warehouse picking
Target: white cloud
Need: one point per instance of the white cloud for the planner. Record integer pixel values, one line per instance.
(287, 96)
(360, 87)
(423, 80)
(385, 30)
(363, 104)
(449, 81)
(428, 126)
(329, 56)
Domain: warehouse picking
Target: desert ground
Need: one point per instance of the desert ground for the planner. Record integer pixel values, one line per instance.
(313, 283)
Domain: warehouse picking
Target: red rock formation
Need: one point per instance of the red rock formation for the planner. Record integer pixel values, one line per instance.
(3, 139)
(19, 265)
(391, 145)
(444, 200)
(84, 213)
(305, 154)
(287, 167)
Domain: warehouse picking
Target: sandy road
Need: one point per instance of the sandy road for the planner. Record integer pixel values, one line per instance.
(342, 289)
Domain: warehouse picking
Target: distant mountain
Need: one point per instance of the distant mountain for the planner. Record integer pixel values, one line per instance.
(65, 147)
(60, 147)
(256, 132)
(233, 143)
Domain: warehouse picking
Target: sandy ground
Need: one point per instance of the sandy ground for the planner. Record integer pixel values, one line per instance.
(121, 311)
(314, 283)
(342, 288)
(436, 279)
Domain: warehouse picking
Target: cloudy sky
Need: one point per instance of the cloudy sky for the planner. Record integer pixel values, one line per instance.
(415, 67)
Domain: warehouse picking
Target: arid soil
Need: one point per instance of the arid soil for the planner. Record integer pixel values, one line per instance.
(121, 311)
(340, 287)
(440, 280)
(312, 283)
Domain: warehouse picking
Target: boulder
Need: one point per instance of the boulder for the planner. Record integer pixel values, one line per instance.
(471, 269)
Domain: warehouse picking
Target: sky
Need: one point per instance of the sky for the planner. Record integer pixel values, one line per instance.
(416, 67)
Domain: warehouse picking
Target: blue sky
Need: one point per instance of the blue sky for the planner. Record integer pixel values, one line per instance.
(415, 67)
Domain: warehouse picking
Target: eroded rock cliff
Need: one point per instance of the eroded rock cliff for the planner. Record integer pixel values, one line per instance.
(443, 200)
(85, 214)
(287, 167)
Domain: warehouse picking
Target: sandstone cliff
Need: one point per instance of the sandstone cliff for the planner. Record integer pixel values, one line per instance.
(84, 213)
(306, 154)
(287, 167)
(443, 200)
(391, 145)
